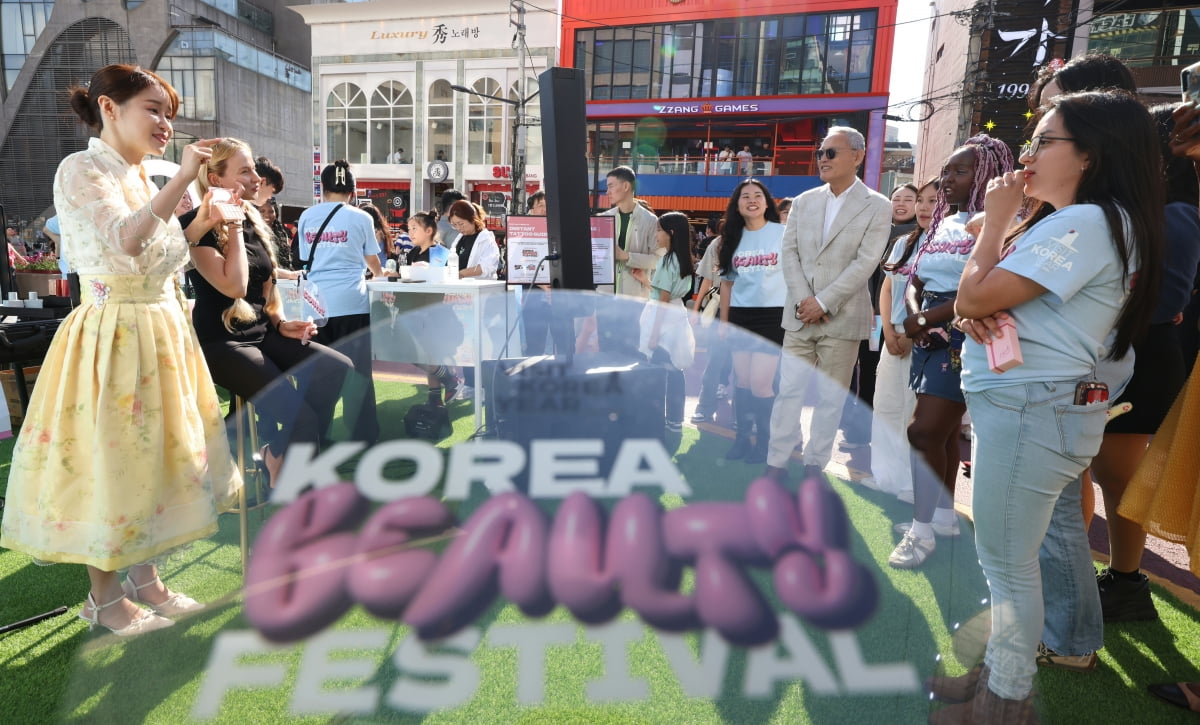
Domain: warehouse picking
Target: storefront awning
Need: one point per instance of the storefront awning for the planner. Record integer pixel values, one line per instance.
(687, 203)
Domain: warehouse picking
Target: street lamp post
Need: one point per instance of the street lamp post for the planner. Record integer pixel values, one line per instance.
(520, 121)
(518, 141)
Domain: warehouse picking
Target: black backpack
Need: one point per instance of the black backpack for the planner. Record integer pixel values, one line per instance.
(430, 422)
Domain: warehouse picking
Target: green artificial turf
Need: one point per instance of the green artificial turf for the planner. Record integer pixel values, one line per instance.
(57, 671)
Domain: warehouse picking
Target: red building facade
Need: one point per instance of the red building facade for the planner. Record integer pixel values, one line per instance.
(695, 95)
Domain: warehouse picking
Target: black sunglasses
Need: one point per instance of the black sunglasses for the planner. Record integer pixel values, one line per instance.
(830, 154)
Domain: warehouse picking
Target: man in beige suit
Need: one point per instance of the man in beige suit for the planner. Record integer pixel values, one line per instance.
(834, 239)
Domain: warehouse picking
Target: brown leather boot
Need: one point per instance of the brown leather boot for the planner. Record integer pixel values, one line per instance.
(956, 714)
(954, 689)
(988, 708)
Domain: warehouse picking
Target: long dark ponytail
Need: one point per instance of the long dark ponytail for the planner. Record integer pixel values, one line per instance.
(1124, 178)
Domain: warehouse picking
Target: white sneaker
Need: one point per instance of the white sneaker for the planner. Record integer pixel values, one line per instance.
(911, 552)
(466, 392)
(946, 532)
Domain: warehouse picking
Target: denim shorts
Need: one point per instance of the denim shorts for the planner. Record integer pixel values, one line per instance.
(937, 370)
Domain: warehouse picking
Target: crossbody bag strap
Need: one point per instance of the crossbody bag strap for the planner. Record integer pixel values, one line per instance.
(317, 239)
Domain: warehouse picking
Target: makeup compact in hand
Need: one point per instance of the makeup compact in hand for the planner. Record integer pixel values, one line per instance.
(1004, 353)
(224, 207)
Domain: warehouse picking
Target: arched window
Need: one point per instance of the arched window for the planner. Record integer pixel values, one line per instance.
(346, 124)
(533, 116)
(391, 124)
(485, 124)
(440, 107)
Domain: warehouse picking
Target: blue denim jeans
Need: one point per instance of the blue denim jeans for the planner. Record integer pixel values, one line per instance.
(1074, 619)
(1031, 444)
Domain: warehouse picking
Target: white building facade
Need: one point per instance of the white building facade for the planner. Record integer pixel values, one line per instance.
(384, 98)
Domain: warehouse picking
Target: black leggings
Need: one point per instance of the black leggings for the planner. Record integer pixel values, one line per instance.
(286, 413)
(351, 334)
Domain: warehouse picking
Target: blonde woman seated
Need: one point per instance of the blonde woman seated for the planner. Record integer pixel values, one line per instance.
(239, 320)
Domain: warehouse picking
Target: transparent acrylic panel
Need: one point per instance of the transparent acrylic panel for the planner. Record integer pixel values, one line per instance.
(547, 550)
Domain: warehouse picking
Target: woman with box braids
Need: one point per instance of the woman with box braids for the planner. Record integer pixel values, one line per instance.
(935, 366)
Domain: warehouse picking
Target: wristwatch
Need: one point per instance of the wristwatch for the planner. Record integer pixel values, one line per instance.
(921, 319)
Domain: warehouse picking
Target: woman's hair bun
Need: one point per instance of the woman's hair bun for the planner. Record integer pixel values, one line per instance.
(338, 178)
(81, 103)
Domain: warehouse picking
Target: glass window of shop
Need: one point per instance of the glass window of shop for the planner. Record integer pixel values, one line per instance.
(485, 123)
(779, 146)
(179, 140)
(391, 123)
(1135, 38)
(21, 22)
(440, 112)
(1162, 38)
(346, 124)
(780, 55)
(194, 78)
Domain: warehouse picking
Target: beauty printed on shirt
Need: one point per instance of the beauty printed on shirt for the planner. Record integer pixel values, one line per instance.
(332, 236)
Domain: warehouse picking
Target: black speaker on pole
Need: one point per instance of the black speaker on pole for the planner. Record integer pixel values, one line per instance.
(564, 152)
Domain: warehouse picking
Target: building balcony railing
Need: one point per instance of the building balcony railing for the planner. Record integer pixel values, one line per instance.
(690, 166)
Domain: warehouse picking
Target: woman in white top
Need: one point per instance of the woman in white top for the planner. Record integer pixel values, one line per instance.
(478, 253)
(894, 401)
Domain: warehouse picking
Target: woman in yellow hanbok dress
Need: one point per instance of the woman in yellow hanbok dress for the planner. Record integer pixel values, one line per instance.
(123, 455)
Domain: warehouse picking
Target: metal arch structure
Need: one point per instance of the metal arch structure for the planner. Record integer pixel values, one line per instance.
(44, 129)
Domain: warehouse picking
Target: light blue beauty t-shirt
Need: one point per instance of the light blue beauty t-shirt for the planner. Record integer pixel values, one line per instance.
(339, 263)
(757, 273)
(941, 260)
(1063, 333)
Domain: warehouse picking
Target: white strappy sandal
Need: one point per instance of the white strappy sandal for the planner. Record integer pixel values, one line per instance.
(147, 622)
(176, 604)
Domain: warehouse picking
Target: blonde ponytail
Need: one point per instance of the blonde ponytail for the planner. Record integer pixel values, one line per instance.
(240, 311)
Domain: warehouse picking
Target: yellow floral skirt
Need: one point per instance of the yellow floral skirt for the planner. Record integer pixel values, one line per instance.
(122, 455)
(1164, 495)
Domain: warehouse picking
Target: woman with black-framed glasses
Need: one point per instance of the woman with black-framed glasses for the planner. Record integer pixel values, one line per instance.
(1067, 283)
(1032, 147)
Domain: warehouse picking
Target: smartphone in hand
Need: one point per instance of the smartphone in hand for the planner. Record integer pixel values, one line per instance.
(1189, 81)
